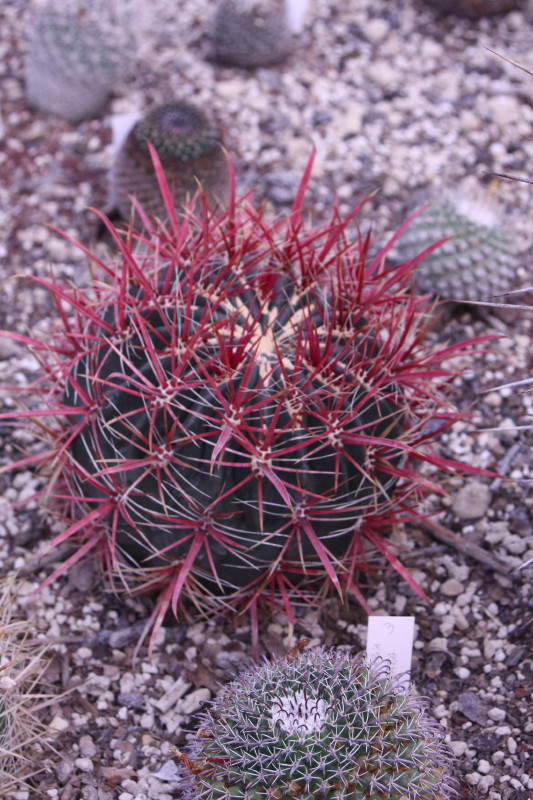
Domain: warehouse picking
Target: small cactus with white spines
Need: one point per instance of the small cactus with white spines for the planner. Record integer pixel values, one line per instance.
(318, 724)
(78, 50)
(477, 261)
(190, 148)
(251, 33)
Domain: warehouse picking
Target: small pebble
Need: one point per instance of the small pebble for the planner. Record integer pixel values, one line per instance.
(87, 747)
(194, 700)
(462, 673)
(472, 501)
(452, 587)
(485, 783)
(375, 30)
(84, 764)
(472, 707)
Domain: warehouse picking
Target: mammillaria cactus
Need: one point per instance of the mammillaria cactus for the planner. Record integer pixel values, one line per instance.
(251, 33)
(78, 50)
(234, 407)
(318, 724)
(479, 261)
(190, 148)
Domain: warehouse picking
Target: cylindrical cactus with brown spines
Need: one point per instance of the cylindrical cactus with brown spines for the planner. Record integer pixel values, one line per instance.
(251, 33)
(189, 146)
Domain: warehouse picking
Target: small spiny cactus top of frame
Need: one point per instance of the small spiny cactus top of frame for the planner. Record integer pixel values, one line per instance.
(251, 33)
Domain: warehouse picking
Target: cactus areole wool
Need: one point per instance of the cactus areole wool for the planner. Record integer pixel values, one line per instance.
(299, 713)
(234, 406)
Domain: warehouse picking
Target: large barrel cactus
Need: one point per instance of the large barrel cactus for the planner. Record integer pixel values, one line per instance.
(190, 148)
(318, 724)
(234, 407)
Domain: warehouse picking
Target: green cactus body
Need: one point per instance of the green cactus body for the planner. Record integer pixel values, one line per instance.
(78, 50)
(476, 9)
(190, 148)
(318, 724)
(251, 33)
(477, 262)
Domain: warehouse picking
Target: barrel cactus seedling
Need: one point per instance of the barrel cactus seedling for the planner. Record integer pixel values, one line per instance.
(189, 146)
(251, 33)
(235, 406)
(78, 50)
(478, 258)
(318, 724)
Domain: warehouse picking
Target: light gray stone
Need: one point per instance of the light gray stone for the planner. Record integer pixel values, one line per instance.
(472, 501)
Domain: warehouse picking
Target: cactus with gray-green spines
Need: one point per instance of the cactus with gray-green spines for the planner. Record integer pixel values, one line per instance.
(479, 261)
(251, 33)
(189, 146)
(318, 724)
(78, 50)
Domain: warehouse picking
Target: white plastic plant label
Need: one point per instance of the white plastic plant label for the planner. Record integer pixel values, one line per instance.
(392, 639)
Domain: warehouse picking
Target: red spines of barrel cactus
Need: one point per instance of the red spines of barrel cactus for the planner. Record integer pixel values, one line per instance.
(234, 408)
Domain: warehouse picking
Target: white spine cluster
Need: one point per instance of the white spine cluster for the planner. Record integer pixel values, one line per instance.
(299, 713)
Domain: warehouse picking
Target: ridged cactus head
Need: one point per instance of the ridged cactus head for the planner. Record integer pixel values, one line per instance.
(254, 434)
(479, 258)
(318, 724)
(177, 131)
(251, 33)
(190, 148)
(235, 405)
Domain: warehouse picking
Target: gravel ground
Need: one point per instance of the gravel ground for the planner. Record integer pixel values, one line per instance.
(393, 98)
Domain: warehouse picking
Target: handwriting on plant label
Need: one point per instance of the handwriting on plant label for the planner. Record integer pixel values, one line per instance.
(392, 639)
